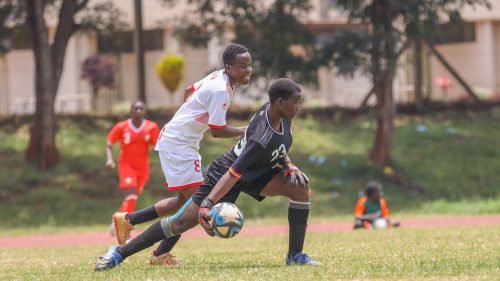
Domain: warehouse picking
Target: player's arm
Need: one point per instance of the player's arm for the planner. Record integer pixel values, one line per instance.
(110, 162)
(227, 132)
(369, 216)
(226, 182)
(113, 136)
(245, 160)
(217, 106)
(290, 171)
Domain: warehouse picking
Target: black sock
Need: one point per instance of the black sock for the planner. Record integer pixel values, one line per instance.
(141, 216)
(298, 213)
(144, 240)
(166, 245)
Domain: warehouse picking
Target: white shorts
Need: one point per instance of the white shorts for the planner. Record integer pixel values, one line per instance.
(181, 170)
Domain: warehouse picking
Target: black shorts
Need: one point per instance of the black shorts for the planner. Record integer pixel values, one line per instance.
(252, 188)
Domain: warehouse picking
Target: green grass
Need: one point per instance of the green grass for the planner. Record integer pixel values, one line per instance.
(459, 253)
(459, 171)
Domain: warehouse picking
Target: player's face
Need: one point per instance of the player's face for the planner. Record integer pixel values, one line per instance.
(241, 70)
(376, 195)
(138, 110)
(291, 106)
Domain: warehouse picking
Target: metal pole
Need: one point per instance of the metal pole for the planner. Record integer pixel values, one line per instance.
(139, 50)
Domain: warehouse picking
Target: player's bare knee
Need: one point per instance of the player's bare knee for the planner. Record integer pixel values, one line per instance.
(301, 194)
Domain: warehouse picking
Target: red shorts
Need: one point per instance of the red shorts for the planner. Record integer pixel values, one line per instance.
(131, 177)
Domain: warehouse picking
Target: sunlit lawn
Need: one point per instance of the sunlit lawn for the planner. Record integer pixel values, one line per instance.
(459, 253)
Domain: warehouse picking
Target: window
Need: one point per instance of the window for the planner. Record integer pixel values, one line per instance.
(153, 39)
(116, 42)
(123, 41)
(449, 33)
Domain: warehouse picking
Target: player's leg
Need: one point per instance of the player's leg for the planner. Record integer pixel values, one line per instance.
(162, 256)
(183, 174)
(358, 223)
(161, 208)
(298, 214)
(184, 219)
(128, 182)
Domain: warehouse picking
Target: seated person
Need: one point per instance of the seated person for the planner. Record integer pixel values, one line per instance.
(371, 207)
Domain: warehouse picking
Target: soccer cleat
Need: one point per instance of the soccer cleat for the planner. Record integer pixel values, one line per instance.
(111, 259)
(122, 228)
(301, 259)
(164, 259)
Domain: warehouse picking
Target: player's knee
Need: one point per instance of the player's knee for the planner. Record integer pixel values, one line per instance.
(301, 194)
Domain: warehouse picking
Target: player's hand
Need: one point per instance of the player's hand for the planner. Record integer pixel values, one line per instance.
(295, 175)
(204, 216)
(110, 164)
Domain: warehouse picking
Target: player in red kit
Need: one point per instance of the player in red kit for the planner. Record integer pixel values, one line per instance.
(136, 136)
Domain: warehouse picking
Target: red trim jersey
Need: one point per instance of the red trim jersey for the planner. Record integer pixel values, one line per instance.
(134, 142)
(205, 108)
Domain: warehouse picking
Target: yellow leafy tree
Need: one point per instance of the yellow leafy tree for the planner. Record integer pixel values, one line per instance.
(170, 70)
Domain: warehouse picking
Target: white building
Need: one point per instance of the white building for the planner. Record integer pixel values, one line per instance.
(474, 52)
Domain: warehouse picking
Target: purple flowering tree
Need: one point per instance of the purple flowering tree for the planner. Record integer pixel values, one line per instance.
(100, 71)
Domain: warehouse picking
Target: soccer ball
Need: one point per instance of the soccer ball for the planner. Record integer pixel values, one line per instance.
(227, 220)
(380, 223)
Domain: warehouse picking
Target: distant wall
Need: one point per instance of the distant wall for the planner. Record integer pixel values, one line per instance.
(475, 61)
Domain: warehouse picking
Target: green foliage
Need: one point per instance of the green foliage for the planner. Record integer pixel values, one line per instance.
(5, 11)
(393, 24)
(455, 160)
(280, 44)
(170, 71)
(458, 253)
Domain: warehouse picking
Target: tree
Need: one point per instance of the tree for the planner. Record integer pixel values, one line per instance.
(100, 71)
(5, 11)
(388, 27)
(280, 43)
(49, 53)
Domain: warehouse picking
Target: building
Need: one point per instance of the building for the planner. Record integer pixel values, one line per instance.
(474, 52)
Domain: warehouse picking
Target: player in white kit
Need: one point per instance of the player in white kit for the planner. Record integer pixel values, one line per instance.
(205, 107)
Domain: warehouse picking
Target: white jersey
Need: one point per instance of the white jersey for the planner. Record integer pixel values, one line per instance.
(205, 107)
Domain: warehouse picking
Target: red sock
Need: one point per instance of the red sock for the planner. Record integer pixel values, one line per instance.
(128, 204)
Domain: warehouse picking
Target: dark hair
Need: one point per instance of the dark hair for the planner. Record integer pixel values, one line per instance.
(282, 88)
(136, 101)
(232, 51)
(372, 187)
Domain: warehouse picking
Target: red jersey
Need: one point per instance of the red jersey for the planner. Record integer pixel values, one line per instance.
(134, 142)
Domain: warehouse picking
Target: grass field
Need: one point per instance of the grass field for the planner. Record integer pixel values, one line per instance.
(456, 159)
(459, 253)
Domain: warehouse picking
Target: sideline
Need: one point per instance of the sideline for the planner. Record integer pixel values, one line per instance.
(51, 240)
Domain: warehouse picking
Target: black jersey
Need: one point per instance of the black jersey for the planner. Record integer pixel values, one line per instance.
(259, 150)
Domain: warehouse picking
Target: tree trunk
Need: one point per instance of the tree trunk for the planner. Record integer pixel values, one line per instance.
(381, 150)
(42, 149)
(95, 92)
(49, 60)
(418, 73)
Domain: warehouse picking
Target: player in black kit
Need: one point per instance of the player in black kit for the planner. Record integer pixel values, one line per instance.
(257, 165)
